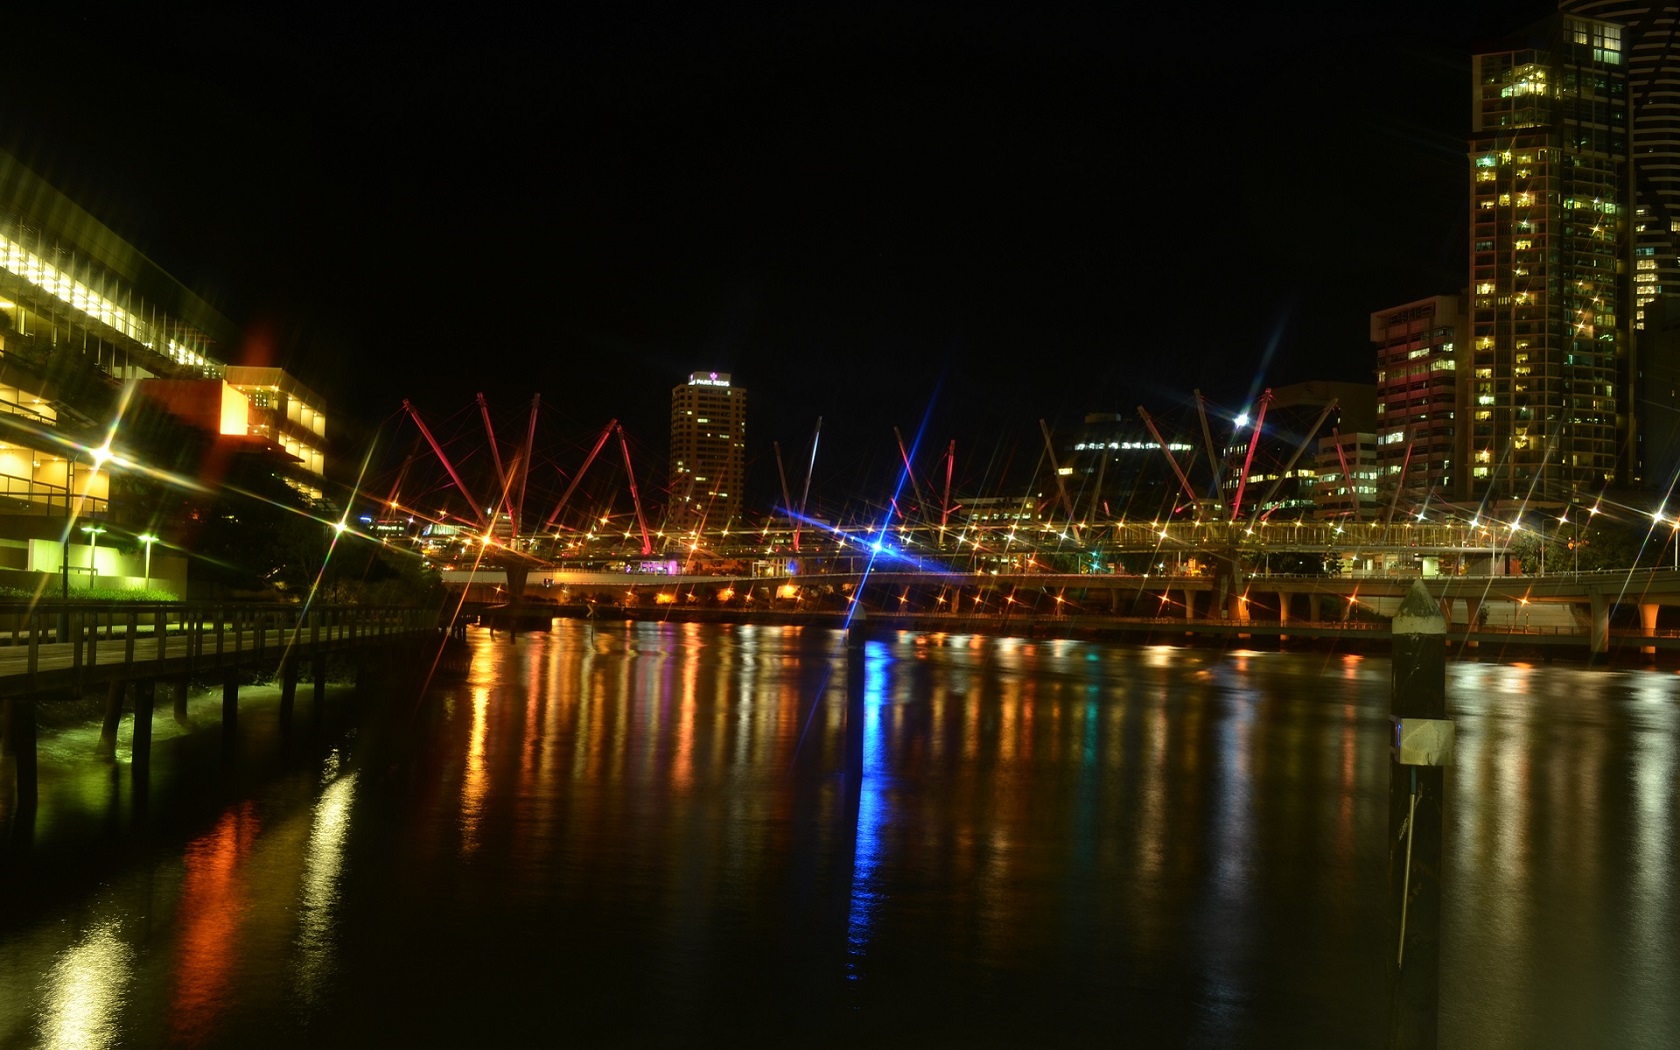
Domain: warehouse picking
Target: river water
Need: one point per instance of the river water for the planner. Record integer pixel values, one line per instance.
(641, 834)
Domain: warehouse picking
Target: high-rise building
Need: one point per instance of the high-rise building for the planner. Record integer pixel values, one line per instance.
(1282, 465)
(1551, 262)
(1348, 472)
(708, 451)
(1651, 46)
(1421, 348)
(1115, 471)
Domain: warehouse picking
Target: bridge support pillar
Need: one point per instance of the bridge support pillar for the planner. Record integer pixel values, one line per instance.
(1283, 608)
(1472, 619)
(113, 719)
(1114, 600)
(230, 707)
(145, 697)
(1648, 626)
(1600, 635)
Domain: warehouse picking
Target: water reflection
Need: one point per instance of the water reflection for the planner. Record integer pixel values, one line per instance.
(314, 963)
(84, 993)
(648, 830)
(872, 804)
(213, 905)
(476, 781)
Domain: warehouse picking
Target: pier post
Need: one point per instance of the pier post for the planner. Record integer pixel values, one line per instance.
(21, 735)
(182, 685)
(113, 720)
(1421, 748)
(318, 696)
(230, 707)
(145, 696)
(288, 688)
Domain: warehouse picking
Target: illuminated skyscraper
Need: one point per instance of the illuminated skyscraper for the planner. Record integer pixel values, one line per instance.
(1651, 44)
(1421, 350)
(1551, 261)
(708, 451)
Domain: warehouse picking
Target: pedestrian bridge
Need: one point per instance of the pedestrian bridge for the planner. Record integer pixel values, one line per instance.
(1583, 605)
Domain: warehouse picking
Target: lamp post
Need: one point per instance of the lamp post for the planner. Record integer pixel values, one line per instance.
(69, 519)
(93, 532)
(148, 539)
(99, 456)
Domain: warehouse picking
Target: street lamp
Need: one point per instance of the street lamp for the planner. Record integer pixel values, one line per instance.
(148, 539)
(93, 532)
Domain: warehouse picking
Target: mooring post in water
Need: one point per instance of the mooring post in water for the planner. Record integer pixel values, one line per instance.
(145, 694)
(854, 696)
(1421, 747)
(113, 719)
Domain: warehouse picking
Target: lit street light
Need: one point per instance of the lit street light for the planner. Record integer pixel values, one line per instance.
(93, 532)
(148, 539)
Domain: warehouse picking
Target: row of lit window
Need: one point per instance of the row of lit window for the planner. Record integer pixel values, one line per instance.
(17, 259)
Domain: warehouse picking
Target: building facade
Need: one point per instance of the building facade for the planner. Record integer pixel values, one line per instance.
(82, 314)
(1282, 470)
(1346, 488)
(708, 452)
(1551, 264)
(1115, 471)
(1420, 348)
(292, 416)
(1650, 40)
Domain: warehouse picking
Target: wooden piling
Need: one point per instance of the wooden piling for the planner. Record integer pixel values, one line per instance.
(288, 688)
(230, 708)
(113, 720)
(24, 756)
(318, 693)
(145, 696)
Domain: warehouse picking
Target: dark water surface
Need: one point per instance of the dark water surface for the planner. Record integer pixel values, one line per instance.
(641, 834)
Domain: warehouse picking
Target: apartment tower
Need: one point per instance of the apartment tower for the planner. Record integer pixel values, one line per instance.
(708, 451)
(1551, 262)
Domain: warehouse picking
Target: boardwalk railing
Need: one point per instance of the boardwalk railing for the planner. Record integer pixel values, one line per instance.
(54, 645)
(59, 647)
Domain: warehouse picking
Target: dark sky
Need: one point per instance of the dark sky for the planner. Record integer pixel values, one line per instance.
(976, 214)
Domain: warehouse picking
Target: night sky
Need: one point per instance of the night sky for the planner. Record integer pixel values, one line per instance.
(979, 216)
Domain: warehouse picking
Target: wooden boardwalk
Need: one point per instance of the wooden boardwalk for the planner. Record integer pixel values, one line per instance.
(58, 649)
